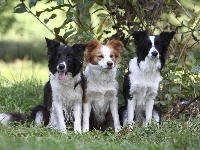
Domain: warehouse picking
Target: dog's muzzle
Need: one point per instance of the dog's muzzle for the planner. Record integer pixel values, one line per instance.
(61, 67)
(154, 54)
(109, 64)
(61, 71)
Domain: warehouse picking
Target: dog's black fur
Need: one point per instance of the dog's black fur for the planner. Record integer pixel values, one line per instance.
(73, 58)
(142, 67)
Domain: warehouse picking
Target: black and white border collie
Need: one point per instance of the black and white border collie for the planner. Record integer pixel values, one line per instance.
(141, 83)
(63, 93)
(100, 109)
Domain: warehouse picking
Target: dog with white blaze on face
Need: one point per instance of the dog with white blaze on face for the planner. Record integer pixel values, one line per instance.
(100, 108)
(141, 83)
(63, 93)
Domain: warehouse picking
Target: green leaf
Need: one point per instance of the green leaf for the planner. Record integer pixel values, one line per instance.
(99, 28)
(102, 15)
(185, 21)
(56, 31)
(20, 8)
(99, 2)
(46, 20)
(99, 37)
(86, 5)
(49, 1)
(195, 69)
(175, 89)
(60, 2)
(38, 13)
(168, 97)
(32, 3)
(191, 21)
(67, 34)
(163, 102)
(53, 16)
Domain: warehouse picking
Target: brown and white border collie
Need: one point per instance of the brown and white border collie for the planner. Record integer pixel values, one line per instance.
(100, 109)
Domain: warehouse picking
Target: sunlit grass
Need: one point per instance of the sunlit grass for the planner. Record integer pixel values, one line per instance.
(23, 69)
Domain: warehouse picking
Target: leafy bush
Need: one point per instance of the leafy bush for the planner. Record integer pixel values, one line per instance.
(102, 20)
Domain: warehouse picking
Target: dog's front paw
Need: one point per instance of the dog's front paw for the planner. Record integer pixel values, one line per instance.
(131, 125)
(77, 129)
(117, 129)
(85, 129)
(61, 130)
(146, 123)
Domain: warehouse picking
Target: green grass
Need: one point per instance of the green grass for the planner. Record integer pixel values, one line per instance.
(23, 93)
(24, 69)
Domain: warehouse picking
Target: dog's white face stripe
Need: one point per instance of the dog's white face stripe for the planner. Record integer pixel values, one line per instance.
(106, 52)
(152, 40)
(63, 63)
(153, 48)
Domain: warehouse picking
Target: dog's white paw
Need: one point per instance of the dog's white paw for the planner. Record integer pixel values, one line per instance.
(85, 129)
(131, 125)
(117, 129)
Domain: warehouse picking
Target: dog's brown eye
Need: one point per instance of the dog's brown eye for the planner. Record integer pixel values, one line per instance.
(100, 56)
(111, 56)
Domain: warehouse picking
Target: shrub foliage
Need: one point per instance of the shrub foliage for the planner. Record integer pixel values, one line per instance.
(108, 19)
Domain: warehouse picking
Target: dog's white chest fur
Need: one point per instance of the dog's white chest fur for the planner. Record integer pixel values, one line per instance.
(65, 97)
(144, 79)
(64, 90)
(101, 89)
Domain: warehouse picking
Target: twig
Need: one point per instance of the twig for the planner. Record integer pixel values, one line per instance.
(179, 58)
(190, 102)
(39, 19)
(182, 8)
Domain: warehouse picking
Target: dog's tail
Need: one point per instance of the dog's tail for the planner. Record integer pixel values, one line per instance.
(39, 115)
(6, 118)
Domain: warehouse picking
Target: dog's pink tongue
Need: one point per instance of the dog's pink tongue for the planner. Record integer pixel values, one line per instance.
(61, 75)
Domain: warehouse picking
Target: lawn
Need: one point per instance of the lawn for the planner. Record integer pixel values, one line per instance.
(21, 88)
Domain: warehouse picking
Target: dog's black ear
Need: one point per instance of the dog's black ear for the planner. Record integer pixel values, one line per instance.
(167, 37)
(51, 43)
(79, 53)
(79, 48)
(138, 36)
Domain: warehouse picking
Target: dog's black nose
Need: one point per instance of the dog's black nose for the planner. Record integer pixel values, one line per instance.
(61, 67)
(154, 53)
(109, 63)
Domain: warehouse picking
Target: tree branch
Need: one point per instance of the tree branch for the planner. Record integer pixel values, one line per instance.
(190, 102)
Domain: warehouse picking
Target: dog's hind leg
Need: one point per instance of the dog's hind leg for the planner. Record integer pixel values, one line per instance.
(77, 116)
